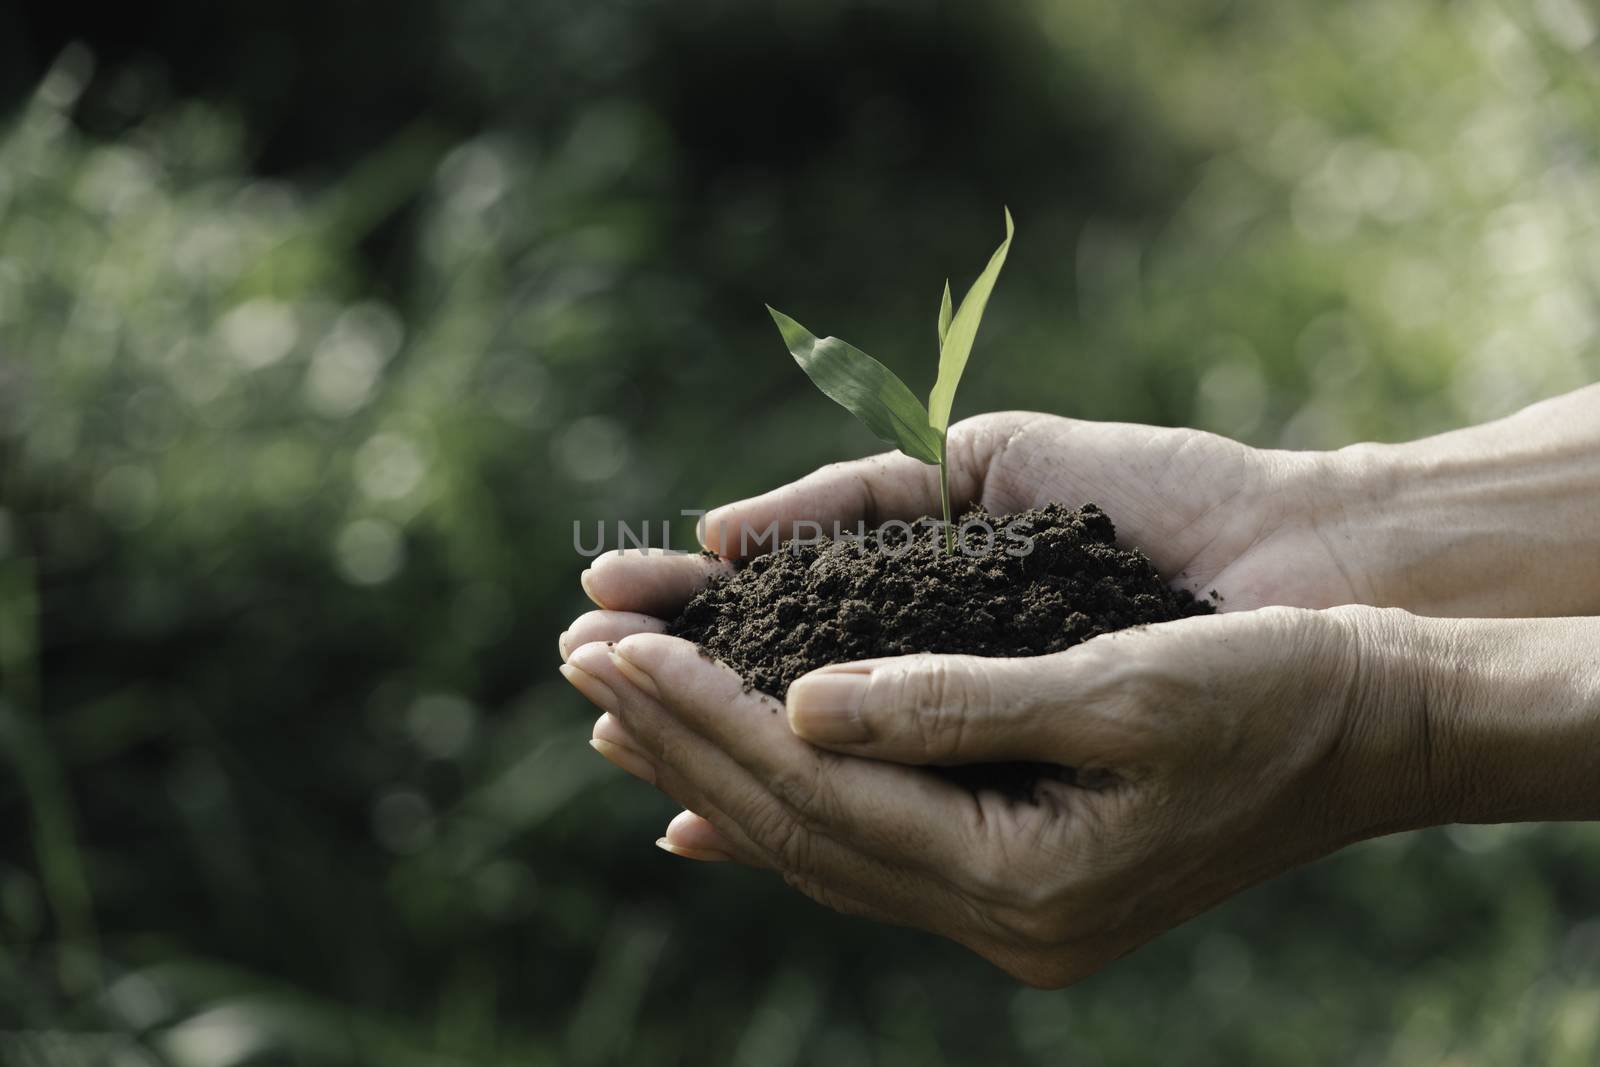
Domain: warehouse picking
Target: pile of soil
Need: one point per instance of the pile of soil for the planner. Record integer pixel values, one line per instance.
(784, 614)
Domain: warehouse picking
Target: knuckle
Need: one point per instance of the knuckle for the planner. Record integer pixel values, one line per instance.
(1032, 925)
(987, 432)
(1024, 906)
(1136, 687)
(1283, 615)
(1007, 871)
(1140, 693)
(773, 828)
(799, 789)
(931, 701)
(992, 876)
(1371, 623)
(794, 849)
(668, 745)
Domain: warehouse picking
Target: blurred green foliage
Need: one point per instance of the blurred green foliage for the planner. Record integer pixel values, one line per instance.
(289, 458)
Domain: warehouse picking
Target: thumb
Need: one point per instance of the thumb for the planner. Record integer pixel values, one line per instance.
(937, 709)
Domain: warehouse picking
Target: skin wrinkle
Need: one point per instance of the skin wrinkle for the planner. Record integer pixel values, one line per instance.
(1005, 853)
(787, 851)
(1268, 520)
(1000, 462)
(949, 883)
(1311, 507)
(1427, 747)
(690, 798)
(1318, 807)
(944, 712)
(1206, 465)
(1198, 575)
(869, 499)
(993, 890)
(803, 794)
(664, 765)
(1333, 557)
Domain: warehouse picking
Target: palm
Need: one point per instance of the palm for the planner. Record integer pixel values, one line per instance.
(1211, 513)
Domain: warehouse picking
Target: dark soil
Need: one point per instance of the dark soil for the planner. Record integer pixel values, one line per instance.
(792, 611)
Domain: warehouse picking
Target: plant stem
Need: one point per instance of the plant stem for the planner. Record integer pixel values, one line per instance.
(944, 500)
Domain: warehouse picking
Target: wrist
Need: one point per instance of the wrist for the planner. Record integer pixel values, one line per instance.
(1498, 521)
(1513, 718)
(1467, 720)
(1392, 769)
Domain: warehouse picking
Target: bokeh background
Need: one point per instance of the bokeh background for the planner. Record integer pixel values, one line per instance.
(320, 324)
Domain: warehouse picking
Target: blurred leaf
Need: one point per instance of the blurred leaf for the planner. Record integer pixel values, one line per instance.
(955, 341)
(868, 389)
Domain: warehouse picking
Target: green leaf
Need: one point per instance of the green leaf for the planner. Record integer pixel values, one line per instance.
(956, 344)
(944, 314)
(868, 389)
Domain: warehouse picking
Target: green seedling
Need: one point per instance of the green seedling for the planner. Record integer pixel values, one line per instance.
(876, 396)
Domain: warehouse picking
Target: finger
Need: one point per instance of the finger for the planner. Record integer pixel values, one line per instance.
(611, 739)
(890, 485)
(811, 859)
(651, 583)
(694, 837)
(834, 876)
(703, 778)
(609, 728)
(873, 490)
(944, 709)
(601, 625)
(899, 815)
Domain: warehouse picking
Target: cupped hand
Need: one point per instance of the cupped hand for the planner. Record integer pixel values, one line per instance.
(1212, 753)
(1258, 526)
(1211, 514)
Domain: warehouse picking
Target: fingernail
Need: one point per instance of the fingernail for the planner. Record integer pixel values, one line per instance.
(625, 758)
(704, 855)
(597, 692)
(690, 831)
(634, 674)
(827, 708)
(585, 580)
(563, 645)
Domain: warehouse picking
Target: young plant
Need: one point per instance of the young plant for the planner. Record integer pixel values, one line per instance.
(874, 394)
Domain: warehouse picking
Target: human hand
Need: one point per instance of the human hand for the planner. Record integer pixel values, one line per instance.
(1211, 753)
(1503, 732)
(1209, 512)
(1497, 520)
